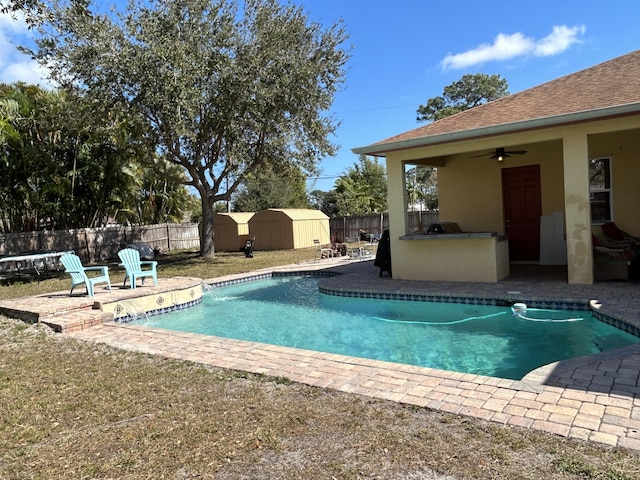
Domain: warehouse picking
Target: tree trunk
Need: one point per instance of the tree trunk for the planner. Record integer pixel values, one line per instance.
(206, 231)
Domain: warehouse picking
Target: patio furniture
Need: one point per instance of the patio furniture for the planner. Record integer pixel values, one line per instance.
(322, 251)
(146, 252)
(73, 266)
(611, 263)
(354, 249)
(619, 237)
(38, 261)
(135, 268)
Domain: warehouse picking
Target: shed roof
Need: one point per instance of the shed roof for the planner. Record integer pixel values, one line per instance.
(237, 217)
(609, 89)
(299, 213)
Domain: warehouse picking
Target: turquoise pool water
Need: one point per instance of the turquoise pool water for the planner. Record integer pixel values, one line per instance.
(485, 340)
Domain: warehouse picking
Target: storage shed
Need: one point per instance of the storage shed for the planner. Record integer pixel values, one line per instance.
(287, 229)
(231, 230)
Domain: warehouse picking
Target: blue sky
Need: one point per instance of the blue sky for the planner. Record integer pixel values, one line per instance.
(407, 51)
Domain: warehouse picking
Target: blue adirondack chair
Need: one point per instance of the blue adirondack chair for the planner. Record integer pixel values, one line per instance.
(130, 259)
(73, 266)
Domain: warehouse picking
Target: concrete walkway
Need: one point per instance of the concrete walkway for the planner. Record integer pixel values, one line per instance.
(595, 398)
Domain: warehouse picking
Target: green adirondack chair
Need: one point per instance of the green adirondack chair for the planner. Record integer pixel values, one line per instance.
(135, 268)
(73, 266)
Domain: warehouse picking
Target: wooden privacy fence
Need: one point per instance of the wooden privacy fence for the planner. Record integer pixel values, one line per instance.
(376, 223)
(99, 244)
(94, 245)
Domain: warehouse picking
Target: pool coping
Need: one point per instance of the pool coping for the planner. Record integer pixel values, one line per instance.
(611, 318)
(536, 376)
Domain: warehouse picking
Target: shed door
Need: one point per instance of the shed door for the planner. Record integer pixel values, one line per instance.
(270, 236)
(522, 209)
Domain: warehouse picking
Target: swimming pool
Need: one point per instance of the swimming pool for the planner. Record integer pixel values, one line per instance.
(485, 340)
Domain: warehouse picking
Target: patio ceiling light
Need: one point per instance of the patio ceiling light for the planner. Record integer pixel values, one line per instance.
(501, 154)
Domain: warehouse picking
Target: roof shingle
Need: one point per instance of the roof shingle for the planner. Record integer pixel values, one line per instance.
(612, 83)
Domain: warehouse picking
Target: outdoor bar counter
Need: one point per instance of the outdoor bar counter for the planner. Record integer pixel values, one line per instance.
(460, 256)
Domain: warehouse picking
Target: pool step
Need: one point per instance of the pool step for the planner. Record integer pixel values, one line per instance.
(65, 313)
(77, 321)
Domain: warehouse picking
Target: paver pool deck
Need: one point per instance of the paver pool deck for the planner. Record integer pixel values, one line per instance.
(594, 398)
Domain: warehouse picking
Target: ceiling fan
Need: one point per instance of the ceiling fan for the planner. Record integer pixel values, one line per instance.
(500, 154)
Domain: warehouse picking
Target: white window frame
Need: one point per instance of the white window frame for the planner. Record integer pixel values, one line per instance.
(608, 190)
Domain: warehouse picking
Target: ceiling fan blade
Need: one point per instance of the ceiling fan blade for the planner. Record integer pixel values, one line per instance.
(500, 152)
(482, 155)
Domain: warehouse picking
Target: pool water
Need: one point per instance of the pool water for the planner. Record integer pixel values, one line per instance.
(485, 340)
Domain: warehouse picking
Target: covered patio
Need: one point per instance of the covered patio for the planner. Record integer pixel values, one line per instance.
(527, 178)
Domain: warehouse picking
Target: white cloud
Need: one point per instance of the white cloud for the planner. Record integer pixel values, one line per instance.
(14, 65)
(14, 25)
(559, 40)
(505, 47)
(26, 71)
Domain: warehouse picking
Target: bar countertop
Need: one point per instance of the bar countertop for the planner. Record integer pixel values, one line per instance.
(450, 236)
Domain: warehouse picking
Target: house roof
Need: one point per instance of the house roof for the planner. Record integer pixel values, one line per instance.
(606, 90)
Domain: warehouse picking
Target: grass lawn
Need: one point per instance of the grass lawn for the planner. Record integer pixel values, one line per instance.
(70, 409)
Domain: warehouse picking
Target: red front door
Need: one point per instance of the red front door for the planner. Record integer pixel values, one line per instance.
(522, 210)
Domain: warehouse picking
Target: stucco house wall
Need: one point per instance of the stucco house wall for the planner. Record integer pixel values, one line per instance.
(561, 125)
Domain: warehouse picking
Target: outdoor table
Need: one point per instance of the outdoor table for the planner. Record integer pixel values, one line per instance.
(36, 261)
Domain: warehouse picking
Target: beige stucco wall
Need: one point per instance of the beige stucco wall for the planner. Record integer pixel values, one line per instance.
(470, 189)
(624, 150)
(469, 193)
(577, 210)
(452, 259)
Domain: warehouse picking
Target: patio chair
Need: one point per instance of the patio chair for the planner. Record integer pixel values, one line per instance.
(356, 250)
(610, 263)
(619, 237)
(322, 251)
(73, 266)
(135, 268)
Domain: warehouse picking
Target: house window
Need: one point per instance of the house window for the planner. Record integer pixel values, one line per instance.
(600, 190)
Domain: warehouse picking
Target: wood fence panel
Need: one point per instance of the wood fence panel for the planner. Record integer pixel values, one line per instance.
(156, 236)
(97, 245)
(352, 226)
(419, 221)
(182, 236)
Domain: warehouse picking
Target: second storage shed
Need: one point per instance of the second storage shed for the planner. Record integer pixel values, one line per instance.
(231, 230)
(287, 229)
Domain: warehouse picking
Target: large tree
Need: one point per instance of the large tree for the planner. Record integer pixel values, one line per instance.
(266, 188)
(360, 191)
(422, 186)
(463, 94)
(65, 165)
(223, 92)
(468, 92)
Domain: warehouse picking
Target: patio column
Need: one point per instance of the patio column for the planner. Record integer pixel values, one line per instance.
(396, 198)
(577, 207)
